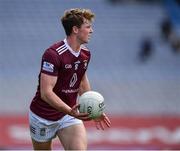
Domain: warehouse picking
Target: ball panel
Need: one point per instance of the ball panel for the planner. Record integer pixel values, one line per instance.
(93, 103)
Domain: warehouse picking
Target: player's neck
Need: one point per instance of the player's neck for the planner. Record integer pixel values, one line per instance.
(72, 42)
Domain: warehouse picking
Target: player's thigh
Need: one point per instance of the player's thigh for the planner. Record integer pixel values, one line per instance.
(73, 137)
(41, 145)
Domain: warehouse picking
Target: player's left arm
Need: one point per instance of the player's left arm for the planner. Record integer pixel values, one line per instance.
(85, 86)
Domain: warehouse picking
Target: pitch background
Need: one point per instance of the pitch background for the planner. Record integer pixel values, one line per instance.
(130, 87)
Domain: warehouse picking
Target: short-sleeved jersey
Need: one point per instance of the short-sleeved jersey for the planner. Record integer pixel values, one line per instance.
(69, 67)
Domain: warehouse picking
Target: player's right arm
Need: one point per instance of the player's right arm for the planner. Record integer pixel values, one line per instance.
(47, 83)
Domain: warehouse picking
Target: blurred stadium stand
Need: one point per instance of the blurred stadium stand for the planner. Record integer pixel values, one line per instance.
(129, 86)
(173, 8)
(27, 28)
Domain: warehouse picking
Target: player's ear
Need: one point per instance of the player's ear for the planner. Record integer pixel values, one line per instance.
(75, 29)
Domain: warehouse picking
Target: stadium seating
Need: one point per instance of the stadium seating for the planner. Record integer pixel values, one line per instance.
(129, 86)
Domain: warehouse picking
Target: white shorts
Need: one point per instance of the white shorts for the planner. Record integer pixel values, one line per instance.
(42, 130)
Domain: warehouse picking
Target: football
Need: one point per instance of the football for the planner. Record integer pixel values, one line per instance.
(92, 102)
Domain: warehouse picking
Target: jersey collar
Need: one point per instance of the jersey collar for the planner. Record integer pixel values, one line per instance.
(70, 49)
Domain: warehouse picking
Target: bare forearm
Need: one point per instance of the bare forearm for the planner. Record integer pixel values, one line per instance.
(52, 99)
(85, 85)
(84, 89)
(47, 84)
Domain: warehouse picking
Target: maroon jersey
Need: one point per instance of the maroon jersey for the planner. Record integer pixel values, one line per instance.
(69, 66)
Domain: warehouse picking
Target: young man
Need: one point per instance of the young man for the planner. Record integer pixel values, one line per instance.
(53, 110)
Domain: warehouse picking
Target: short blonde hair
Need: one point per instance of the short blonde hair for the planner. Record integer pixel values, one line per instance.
(75, 17)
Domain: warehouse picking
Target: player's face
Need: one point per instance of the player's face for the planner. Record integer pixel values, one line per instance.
(84, 32)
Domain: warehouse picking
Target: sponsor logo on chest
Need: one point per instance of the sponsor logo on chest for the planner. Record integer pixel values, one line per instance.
(76, 65)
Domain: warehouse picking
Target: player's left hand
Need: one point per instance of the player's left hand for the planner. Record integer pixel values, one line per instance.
(101, 121)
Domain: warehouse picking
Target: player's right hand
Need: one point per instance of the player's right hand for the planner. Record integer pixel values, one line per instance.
(75, 113)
